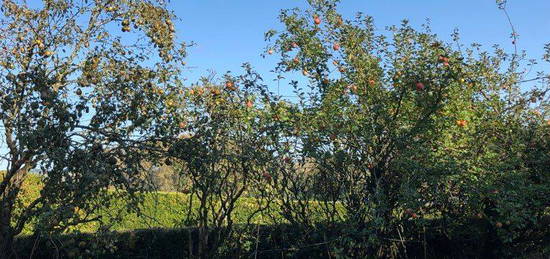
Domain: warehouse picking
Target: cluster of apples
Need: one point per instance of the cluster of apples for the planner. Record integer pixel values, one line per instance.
(125, 25)
(40, 44)
(230, 86)
(444, 60)
(197, 91)
(215, 91)
(335, 47)
(293, 45)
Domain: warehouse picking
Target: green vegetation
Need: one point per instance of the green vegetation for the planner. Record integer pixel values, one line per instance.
(158, 231)
(398, 144)
(166, 210)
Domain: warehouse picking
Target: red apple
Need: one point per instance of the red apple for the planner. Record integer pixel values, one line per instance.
(336, 46)
(371, 82)
(48, 53)
(230, 85)
(200, 91)
(443, 59)
(461, 123)
(339, 21)
(353, 88)
(215, 91)
(317, 20)
(419, 86)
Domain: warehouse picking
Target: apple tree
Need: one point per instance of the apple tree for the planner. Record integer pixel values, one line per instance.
(398, 126)
(83, 87)
(223, 157)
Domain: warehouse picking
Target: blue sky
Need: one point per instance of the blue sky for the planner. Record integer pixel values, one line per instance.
(229, 33)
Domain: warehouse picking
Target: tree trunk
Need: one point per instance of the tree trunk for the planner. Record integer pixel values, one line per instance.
(6, 233)
(203, 243)
(7, 200)
(6, 244)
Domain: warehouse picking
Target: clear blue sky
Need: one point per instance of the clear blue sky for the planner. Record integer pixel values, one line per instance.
(229, 33)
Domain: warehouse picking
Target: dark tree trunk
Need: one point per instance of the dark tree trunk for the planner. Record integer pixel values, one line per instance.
(7, 233)
(6, 244)
(203, 243)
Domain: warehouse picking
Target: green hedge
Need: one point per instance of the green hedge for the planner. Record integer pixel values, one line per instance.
(158, 233)
(158, 210)
(472, 240)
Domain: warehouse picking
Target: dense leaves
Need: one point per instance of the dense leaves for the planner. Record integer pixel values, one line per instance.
(81, 104)
(394, 134)
(400, 126)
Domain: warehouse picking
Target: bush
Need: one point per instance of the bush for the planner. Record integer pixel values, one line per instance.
(276, 241)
